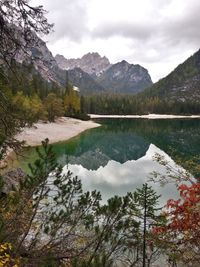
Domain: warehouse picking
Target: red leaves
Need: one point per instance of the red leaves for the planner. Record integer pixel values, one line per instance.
(183, 215)
(180, 234)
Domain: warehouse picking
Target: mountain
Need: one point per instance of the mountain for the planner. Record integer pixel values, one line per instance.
(43, 62)
(85, 82)
(121, 77)
(46, 66)
(92, 74)
(126, 78)
(92, 63)
(182, 84)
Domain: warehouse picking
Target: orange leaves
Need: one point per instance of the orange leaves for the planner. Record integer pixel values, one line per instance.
(183, 215)
(190, 193)
(5, 256)
(181, 232)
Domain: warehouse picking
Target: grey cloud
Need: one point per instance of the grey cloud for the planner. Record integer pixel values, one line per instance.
(184, 29)
(172, 31)
(166, 36)
(161, 3)
(160, 40)
(71, 20)
(69, 17)
(124, 29)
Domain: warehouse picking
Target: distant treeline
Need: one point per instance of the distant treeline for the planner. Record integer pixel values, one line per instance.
(129, 104)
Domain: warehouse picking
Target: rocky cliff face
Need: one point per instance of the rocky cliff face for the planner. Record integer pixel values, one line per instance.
(91, 63)
(44, 62)
(123, 77)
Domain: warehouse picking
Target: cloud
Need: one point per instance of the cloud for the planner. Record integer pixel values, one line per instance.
(184, 29)
(162, 29)
(122, 178)
(158, 34)
(124, 29)
(70, 18)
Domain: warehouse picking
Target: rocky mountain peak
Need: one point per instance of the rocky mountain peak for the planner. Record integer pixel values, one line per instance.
(124, 62)
(93, 55)
(92, 63)
(91, 73)
(124, 77)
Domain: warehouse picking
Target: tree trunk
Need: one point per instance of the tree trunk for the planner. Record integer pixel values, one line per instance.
(144, 227)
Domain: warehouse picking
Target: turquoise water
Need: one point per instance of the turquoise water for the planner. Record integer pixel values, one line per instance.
(119, 156)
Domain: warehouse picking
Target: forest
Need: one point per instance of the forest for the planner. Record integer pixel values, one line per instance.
(115, 104)
(36, 99)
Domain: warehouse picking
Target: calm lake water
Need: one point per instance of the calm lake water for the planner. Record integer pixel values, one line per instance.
(118, 157)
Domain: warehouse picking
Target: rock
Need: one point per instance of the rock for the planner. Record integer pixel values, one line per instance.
(12, 179)
(91, 63)
(93, 73)
(123, 77)
(44, 62)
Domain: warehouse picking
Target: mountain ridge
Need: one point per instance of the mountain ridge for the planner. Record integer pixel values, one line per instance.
(121, 77)
(124, 77)
(92, 63)
(182, 84)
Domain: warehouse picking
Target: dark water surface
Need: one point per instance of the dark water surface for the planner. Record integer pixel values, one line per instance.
(118, 156)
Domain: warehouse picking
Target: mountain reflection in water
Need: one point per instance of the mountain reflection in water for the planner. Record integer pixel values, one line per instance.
(119, 178)
(117, 157)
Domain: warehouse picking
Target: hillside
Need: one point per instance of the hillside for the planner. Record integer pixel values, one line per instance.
(85, 82)
(125, 78)
(182, 84)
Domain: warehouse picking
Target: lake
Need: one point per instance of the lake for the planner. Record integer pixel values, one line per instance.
(119, 156)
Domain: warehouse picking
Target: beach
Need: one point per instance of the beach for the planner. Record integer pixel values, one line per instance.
(62, 129)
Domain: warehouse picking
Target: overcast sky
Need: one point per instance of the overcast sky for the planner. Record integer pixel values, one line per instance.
(157, 34)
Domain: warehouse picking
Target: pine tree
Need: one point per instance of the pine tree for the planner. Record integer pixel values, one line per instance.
(146, 201)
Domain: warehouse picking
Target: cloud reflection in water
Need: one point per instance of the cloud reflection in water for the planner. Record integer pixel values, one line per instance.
(118, 179)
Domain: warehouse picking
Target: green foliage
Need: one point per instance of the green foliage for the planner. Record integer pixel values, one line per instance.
(146, 201)
(51, 220)
(10, 123)
(53, 106)
(71, 101)
(178, 78)
(98, 261)
(125, 104)
(80, 116)
(29, 108)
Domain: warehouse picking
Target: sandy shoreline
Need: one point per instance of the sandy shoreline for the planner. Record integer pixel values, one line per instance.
(149, 116)
(66, 128)
(61, 130)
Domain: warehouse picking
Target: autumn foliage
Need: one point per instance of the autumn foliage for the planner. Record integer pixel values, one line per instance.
(182, 229)
(5, 256)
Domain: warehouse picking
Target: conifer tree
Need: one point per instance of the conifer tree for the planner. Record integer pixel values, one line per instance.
(146, 201)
